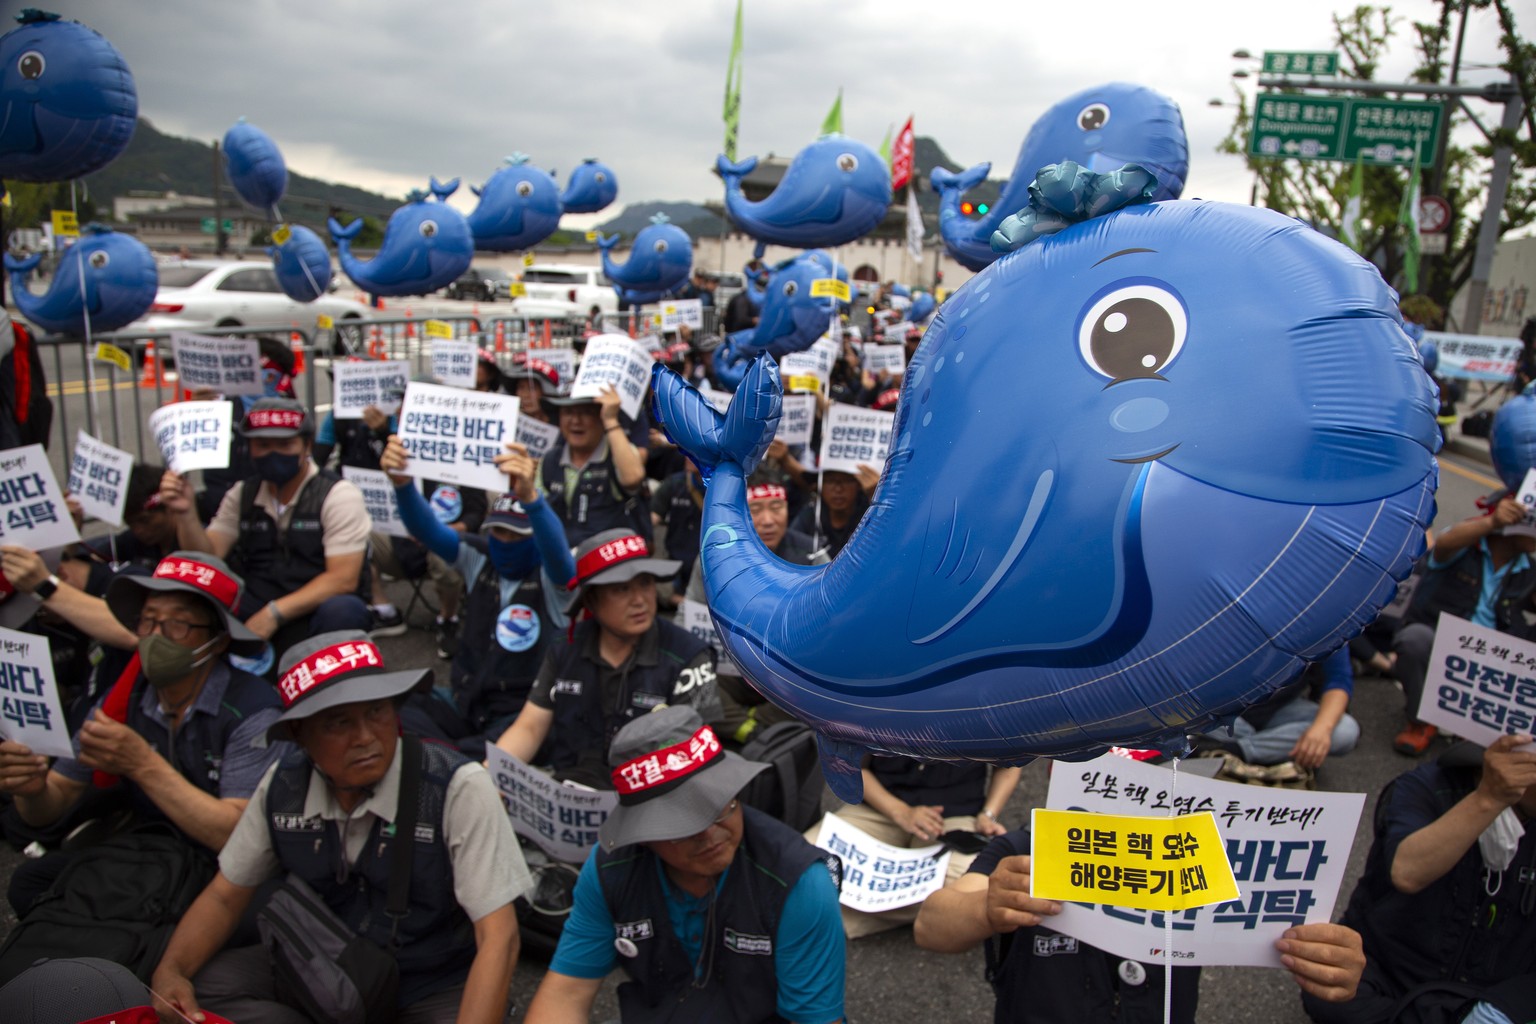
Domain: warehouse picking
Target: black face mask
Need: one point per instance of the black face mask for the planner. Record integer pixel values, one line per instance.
(277, 469)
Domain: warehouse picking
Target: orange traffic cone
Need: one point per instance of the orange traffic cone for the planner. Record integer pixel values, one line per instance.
(153, 376)
(631, 323)
(296, 343)
(376, 348)
(548, 336)
(501, 335)
(410, 326)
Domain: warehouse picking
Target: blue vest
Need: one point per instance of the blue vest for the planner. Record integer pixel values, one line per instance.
(491, 680)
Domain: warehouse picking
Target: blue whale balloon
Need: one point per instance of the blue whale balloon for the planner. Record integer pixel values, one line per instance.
(68, 105)
(923, 305)
(659, 262)
(519, 207)
(835, 190)
(426, 246)
(255, 166)
(591, 188)
(106, 277)
(1196, 501)
(792, 316)
(1512, 439)
(302, 264)
(1100, 128)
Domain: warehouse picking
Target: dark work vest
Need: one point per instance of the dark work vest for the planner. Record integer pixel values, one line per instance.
(276, 563)
(490, 680)
(960, 789)
(591, 508)
(742, 986)
(436, 938)
(1042, 977)
(582, 724)
(1457, 587)
(358, 445)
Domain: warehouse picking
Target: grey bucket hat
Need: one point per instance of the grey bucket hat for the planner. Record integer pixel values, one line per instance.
(615, 556)
(188, 572)
(326, 671)
(277, 417)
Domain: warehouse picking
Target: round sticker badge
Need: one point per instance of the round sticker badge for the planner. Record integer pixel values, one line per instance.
(1132, 973)
(517, 628)
(626, 947)
(447, 504)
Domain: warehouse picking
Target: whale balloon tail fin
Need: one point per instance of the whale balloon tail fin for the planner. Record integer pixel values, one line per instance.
(739, 169)
(969, 178)
(343, 234)
(444, 189)
(474, 189)
(23, 265)
(840, 765)
(608, 242)
(740, 435)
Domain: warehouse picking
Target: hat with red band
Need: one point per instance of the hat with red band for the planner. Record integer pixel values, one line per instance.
(326, 671)
(673, 778)
(615, 556)
(188, 572)
(277, 417)
(529, 367)
(82, 990)
(767, 492)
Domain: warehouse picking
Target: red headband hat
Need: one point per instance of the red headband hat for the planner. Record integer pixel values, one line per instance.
(888, 398)
(615, 556)
(767, 492)
(529, 367)
(332, 669)
(277, 417)
(188, 572)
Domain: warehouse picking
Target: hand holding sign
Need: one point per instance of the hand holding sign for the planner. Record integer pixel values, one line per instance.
(393, 461)
(22, 773)
(176, 495)
(1507, 772)
(23, 567)
(522, 470)
(1009, 904)
(1326, 960)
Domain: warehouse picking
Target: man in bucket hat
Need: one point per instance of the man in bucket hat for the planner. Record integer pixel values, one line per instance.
(594, 476)
(326, 814)
(622, 662)
(715, 911)
(177, 726)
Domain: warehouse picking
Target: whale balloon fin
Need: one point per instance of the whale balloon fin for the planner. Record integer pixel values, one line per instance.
(339, 233)
(444, 189)
(23, 265)
(740, 435)
(608, 242)
(474, 189)
(842, 765)
(741, 169)
(969, 178)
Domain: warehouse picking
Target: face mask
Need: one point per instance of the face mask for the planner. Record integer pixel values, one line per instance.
(277, 468)
(513, 559)
(165, 661)
(1501, 839)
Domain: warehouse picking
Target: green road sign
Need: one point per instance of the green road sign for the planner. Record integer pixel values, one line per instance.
(1301, 62)
(1381, 132)
(207, 225)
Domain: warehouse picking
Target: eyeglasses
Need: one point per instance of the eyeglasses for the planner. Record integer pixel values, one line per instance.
(171, 629)
(725, 816)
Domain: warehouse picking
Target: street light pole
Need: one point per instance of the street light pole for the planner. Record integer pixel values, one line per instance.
(1488, 230)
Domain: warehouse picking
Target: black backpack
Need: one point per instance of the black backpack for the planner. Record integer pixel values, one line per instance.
(791, 790)
(119, 900)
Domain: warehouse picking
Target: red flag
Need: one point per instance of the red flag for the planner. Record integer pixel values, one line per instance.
(901, 157)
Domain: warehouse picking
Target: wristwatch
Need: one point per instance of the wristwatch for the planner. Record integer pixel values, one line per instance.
(46, 589)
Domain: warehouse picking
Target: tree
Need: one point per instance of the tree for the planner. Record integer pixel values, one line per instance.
(33, 204)
(1316, 191)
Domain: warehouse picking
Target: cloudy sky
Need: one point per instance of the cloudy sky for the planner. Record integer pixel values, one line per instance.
(382, 93)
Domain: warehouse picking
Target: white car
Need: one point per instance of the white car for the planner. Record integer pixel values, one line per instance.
(564, 290)
(231, 293)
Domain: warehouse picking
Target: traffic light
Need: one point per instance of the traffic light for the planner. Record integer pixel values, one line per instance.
(968, 208)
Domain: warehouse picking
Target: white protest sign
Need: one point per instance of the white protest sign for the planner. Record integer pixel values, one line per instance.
(695, 619)
(564, 362)
(192, 435)
(30, 711)
(378, 499)
(536, 436)
(878, 876)
(1480, 684)
(851, 437)
(1475, 356)
(32, 509)
(1288, 850)
(797, 419)
(618, 361)
(453, 362)
(815, 361)
(675, 312)
(890, 358)
(229, 366)
(454, 435)
(375, 382)
(562, 819)
(98, 478)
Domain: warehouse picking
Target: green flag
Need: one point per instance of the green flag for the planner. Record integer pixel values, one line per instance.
(1408, 218)
(1349, 223)
(885, 147)
(732, 112)
(834, 121)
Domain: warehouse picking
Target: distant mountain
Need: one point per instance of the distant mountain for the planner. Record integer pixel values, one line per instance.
(691, 217)
(928, 154)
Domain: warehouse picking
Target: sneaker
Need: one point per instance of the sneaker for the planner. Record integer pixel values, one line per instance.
(1415, 739)
(447, 638)
(387, 624)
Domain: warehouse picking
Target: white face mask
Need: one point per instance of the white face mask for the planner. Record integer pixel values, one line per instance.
(1500, 840)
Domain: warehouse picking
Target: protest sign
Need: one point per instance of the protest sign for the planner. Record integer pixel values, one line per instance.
(454, 435)
(878, 876)
(98, 478)
(229, 366)
(851, 437)
(564, 362)
(815, 361)
(617, 361)
(1147, 863)
(797, 419)
(562, 819)
(453, 362)
(32, 509)
(1480, 684)
(376, 382)
(1288, 850)
(192, 435)
(890, 358)
(696, 620)
(1475, 356)
(675, 312)
(536, 436)
(30, 711)
(378, 498)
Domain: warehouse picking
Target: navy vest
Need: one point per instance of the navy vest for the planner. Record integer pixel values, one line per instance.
(591, 508)
(498, 661)
(1042, 977)
(739, 942)
(359, 445)
(1457, 587)
(436, 938)
(278, 562)
(960, 789)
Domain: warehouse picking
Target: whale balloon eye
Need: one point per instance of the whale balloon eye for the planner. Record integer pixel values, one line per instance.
(599, 177)
(525, 188)
(99, 259)
(661, 245)
(1093, 116)
(848, 162)
(1133, 332)
(428, 228)
(789, 288)
(31, 65)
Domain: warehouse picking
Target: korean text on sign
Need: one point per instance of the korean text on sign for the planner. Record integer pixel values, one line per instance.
(192, 435)
(1148, 863)
(378, 499)
(30, 711)
(562, 819)
(851, 437)
(379, 383)
(1481, 683)
(453, 362)
(876, 875)
(98, 478)
(617, 361)
(455, 435)
(229, 366)
(32, 510)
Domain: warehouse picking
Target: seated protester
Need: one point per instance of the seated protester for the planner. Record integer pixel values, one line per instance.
(277, 366)
(515, 607)
(622, 662)
(326, 814)
(1074, 981)
(178, 728)
(721, 913)
(488, 376)
(1305, 722)
(534, 382)
(843, 504)
(678, 505)
(1476, 572)
(297, 533)
(149, 536)
(594, 476)
(1447, 904)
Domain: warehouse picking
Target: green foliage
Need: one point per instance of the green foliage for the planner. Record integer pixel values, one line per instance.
(32, 205)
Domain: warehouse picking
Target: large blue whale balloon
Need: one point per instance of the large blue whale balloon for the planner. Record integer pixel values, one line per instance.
(519, 207)
(426, 246)
(835, 190)
(106, 277)
(1101, 128)
(793, 316)
(592, 187)
(1197, 499)
(302, 264)
(255, 166)
(1512, 439)
(658, 262)
(68, 105)
(923, 305)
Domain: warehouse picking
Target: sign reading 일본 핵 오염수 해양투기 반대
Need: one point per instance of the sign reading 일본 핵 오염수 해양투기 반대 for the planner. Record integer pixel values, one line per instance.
(453, 362)
(617, 361)
(32, 510)
(562, 819)
(379, 383)
(192, 435)
(229, 366)
(98, 478)
(454, 435)
(1481, 684)
(30, 711)
(878, 876)
(852, 437)
(1288, 850)
(378, 499)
